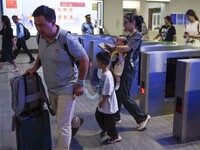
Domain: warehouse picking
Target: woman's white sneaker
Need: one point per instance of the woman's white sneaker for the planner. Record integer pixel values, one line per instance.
(15, 70)
(143, 124)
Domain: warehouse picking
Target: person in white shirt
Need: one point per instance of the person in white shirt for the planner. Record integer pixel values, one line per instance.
(107, 107)
(192, 32)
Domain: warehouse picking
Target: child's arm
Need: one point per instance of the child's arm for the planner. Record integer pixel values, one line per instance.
(103, 101)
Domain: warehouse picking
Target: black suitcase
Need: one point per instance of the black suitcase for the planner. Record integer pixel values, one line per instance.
(33, 132)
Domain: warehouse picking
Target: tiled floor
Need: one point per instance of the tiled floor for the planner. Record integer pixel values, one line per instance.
(158, 135)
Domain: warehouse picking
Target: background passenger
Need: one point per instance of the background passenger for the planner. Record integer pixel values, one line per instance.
(8, 44)
(167, 32)
(21, 42)
(145, 31)
(192, 32)
(87, 27)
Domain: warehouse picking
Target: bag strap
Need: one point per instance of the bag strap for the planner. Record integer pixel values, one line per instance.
(44, 96)
(22, 26)
(63, 42)
(21, 97)
(21, 101)
(198, 28)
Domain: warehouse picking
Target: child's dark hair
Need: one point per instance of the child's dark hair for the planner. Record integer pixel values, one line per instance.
(103, 57)
(124, 40)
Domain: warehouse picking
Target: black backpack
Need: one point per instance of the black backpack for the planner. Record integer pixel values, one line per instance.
(27, 34)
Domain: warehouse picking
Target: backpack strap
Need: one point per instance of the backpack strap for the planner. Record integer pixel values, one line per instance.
(21, 102)
(22, 26)
(44, 96)
(62, 39)
(21, 97)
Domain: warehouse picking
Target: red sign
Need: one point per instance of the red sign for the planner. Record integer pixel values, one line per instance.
(72, 4)
(11, 3)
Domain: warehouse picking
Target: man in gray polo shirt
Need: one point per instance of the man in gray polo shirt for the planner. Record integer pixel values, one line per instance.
(64, 82)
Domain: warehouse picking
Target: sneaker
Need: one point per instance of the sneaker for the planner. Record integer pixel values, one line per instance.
(117, 86)
(15, 70)
(103, 133)
(113, 140)
(143, 124)
(75, 130)
(118, 120)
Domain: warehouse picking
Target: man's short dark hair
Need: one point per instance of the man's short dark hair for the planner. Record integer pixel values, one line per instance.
(14, 16)
(48, 13)
(103, 57)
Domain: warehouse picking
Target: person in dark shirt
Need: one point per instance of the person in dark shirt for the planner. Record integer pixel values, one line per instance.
(8, 44)
(167, 32)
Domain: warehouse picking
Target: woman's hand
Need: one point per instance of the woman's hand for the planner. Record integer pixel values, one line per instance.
(108, 46)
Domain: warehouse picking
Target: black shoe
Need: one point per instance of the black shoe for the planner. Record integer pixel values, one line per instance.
(113, 140)
(103, 133)
(75, 130)
(31, 61)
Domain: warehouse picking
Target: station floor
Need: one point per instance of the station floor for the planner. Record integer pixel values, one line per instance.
(157, 136)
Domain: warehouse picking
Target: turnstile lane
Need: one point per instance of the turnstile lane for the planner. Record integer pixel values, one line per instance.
(187, 101)
(158, 72)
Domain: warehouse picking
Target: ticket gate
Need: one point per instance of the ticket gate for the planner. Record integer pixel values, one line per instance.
(159, 46)
(187, 101)
(134, 91)
(85, 41)
(157, 86)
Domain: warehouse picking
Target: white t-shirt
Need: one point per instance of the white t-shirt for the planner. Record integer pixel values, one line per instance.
(192, 29)
(107, 88)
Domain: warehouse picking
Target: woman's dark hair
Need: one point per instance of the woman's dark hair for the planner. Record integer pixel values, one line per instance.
(142, 19)
(169, 18)
(191, 12)
(131, 17)
(103, 57)
(6, 21)
(48, 13)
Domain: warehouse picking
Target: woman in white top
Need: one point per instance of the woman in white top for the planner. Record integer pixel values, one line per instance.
(191, 33)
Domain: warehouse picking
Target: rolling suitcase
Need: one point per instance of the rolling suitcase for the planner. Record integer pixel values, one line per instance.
(33, 132)
(31, 119)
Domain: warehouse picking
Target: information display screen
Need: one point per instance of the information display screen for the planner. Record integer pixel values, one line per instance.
(70, 14)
